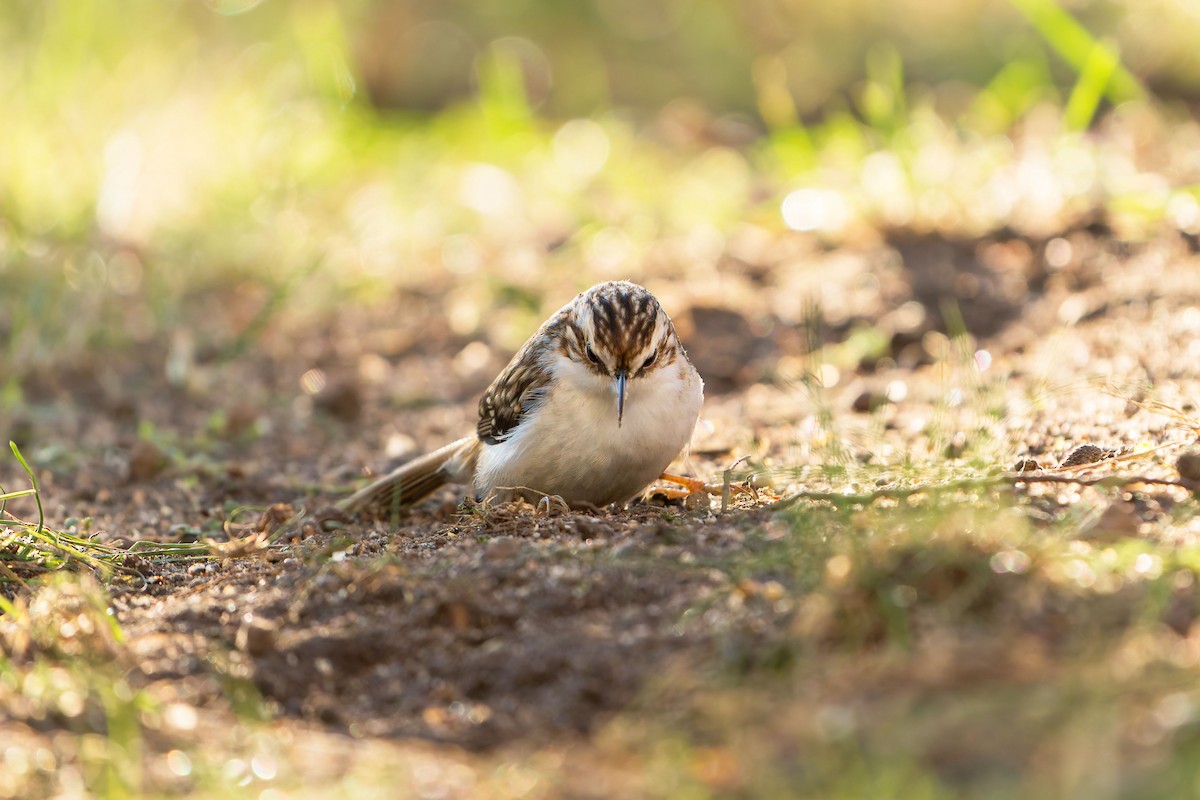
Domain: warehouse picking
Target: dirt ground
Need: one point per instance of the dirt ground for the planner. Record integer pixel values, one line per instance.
(501, 628)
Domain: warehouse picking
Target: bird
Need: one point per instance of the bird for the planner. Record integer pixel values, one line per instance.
(590, 411)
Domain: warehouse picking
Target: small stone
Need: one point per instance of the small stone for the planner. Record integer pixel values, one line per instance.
(697, 500)
(502, 548)
(590, 528)
(1188, 465)
(146, 461)
(256, 636)
(133, 561)
(341, 400)
(726, 347)
(241, 419)
(1085, 454)
(1026, 465)
(868, 401)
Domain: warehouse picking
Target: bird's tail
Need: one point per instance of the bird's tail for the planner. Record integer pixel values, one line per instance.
(408, 483)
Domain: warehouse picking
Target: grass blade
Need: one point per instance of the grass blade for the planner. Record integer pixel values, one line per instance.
(1097, 72)
(1075, 45)
(32, 479)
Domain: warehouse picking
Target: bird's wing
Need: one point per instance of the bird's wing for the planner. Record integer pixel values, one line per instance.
(514, 393)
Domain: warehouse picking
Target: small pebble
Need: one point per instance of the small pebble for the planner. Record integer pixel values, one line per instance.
(868, 401)
(590, 528)
(340, 400)
(256, 636)
(1188, 465)
(502, 548)
(1085, 454)
(146, 461)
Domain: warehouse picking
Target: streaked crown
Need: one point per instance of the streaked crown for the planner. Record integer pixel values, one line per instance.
(619, 327)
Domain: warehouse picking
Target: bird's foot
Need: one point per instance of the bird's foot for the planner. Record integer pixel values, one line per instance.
(695, 485)
(552, 505)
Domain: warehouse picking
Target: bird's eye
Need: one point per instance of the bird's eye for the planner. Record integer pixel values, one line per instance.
(650, 361)
(591, 354)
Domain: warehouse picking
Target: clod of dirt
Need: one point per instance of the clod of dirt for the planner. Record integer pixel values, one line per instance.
(1026, 465)
(990, 290)
(240, 419)
(590, 528)
(341, 400)
(502, 548)
(723, 345)
(1188, 465)
(1086, 454)
(146, 461)
(868, 401)
(256, 636)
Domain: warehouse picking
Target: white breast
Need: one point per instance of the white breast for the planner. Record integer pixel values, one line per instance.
(572, 447)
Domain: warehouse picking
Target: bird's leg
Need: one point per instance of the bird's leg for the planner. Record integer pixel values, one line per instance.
(690, 486)
(725, 489)
(693, 485)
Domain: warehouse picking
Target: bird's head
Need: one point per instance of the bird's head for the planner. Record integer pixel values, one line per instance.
(619, 334)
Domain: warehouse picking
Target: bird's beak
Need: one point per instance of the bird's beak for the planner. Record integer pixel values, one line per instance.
(622, 376)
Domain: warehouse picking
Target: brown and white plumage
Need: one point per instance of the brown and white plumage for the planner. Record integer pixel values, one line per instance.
(591, 409)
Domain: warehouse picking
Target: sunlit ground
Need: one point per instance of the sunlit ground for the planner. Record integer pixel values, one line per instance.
(221, 199)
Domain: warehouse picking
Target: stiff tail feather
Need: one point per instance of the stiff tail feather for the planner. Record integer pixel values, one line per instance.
(408, 483)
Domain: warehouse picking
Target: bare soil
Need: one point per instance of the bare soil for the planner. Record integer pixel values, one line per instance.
(502, 627)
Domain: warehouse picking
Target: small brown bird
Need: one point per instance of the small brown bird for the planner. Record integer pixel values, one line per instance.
(591, 410)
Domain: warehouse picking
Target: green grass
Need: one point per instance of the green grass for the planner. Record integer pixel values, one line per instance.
(30, 550)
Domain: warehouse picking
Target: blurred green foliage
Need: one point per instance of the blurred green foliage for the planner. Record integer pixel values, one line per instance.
(586, 55)
(180, 116)
(315, 152)
(229, 103)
